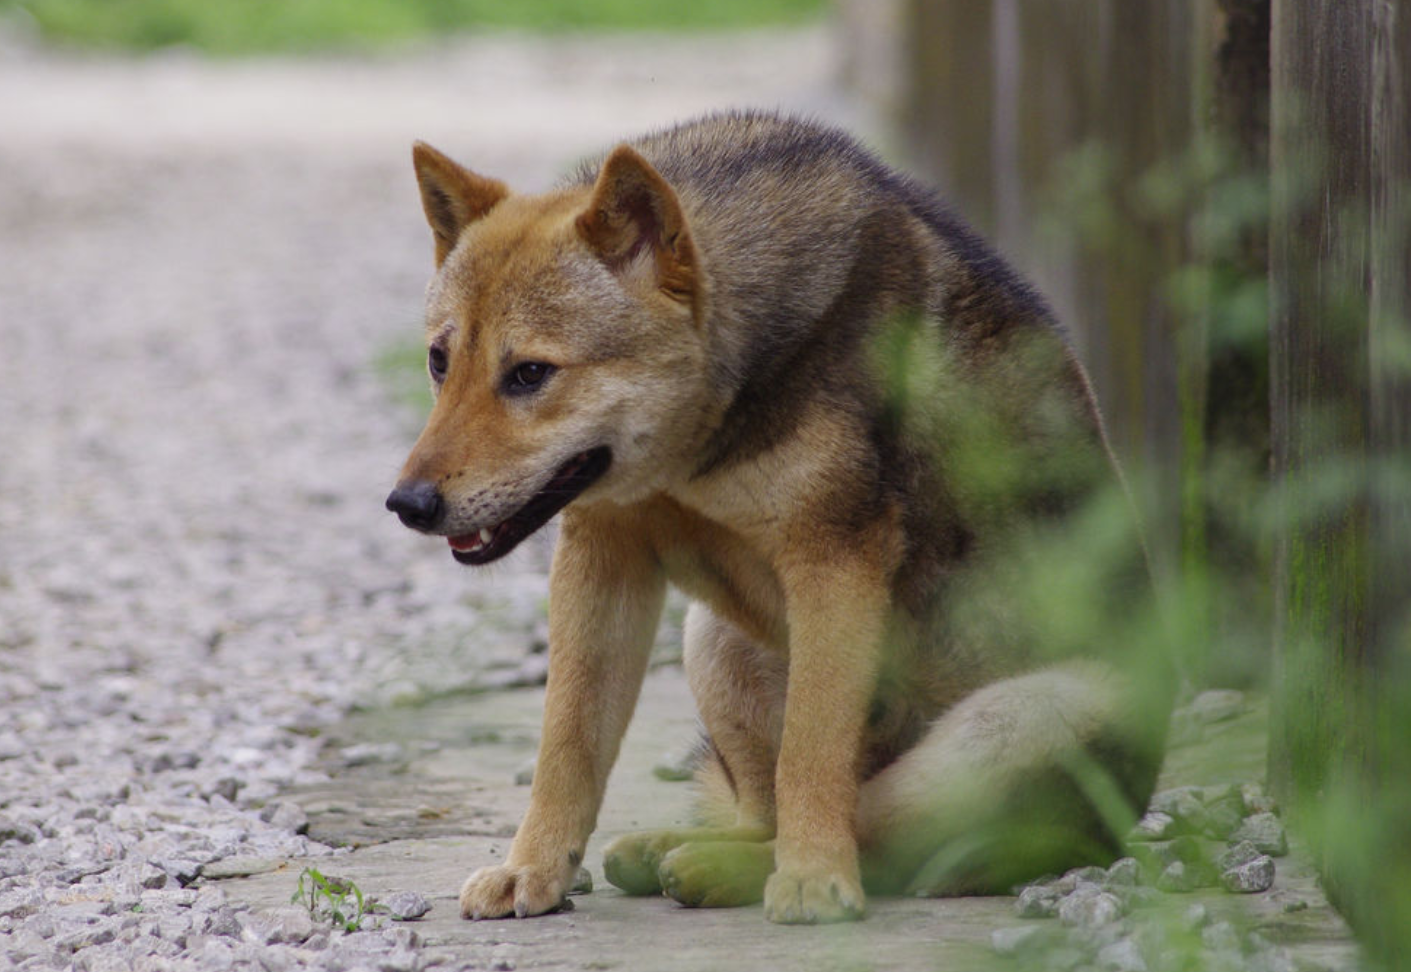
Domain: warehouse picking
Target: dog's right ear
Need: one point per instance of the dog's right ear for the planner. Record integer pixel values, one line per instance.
(452, 196)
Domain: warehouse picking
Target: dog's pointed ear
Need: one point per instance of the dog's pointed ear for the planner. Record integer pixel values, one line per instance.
(452, 196)
(634, 214)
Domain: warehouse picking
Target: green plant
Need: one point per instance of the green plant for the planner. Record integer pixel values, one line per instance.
(337, 900)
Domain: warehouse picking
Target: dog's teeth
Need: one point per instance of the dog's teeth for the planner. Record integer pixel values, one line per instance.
(486, 536)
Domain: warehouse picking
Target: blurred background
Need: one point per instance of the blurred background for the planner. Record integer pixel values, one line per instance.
(1213, 195)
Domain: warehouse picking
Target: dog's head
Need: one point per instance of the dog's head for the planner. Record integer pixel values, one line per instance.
(565, 347)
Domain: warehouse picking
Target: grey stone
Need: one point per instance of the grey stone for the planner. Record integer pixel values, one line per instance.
(1266, 832)
(1137, 896)
(1223, 817)
(1185, 808)
(216, 954)
(286, 816)
(141, 876)
(405, 905)
(1216, 705)
(1122, 955)
(1221, 936)
(525, 774)
(582, 882)
(1154, 825)
(16, 830)
(277, 926)
(1090, 874)
(1089, 908)
(87, 936)
(1196, 916)
(364, 754)
(1220, 792)
(531, 671)
(1236, 854)
(504, 957)
(1124, 872)
(224, 923)
(1156, 856)
(677, 766)
(25, 944)
(1037, 901)
(1256, 800)
(20, 903)
(183, 870)
(239, 866)
(1250, 877)
(172, 926)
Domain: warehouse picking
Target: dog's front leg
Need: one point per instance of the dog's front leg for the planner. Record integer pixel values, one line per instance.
(605, 597)
(837, 617)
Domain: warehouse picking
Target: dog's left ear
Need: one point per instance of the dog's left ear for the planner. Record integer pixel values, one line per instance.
(634, 214)
(452, 196)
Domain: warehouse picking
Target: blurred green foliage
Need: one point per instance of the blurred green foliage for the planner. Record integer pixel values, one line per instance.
(257, 26)
(402, 367)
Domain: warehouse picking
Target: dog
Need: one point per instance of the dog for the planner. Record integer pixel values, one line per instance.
(745, 357)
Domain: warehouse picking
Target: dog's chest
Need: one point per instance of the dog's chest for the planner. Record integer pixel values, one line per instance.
(717, 566)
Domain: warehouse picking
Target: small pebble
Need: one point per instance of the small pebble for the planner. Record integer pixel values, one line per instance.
(582, 882)
(1089, 908)
(1154, 825)
(1266, 832)
(1256, 800)
(1236, 854)
(1223, 818)
(405, 905)
(286, 816)
(1037, 901)
(1250, 877)
(1221, 937)
(678, 766)
(1216, 705)
(1196, 916)
(1125, 872)
(1122, 955)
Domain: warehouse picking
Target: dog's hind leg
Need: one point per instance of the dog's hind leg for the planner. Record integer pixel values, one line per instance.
(739, 690)
(1030, 775)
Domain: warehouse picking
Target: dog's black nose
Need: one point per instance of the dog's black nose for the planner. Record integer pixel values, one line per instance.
(417, 503)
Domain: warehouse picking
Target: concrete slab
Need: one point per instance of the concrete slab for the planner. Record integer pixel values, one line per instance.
(423, 822)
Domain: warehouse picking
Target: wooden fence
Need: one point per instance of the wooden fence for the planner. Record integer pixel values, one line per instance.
(1105, 113)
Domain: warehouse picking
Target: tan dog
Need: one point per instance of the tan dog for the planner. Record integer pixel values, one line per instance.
(746, 358)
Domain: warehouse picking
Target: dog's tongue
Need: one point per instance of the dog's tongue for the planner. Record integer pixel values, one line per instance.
(468, 542)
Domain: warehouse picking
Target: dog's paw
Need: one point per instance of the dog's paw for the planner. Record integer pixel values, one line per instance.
(504, 890)
(722, 874)
(796, 896)
(631, 862)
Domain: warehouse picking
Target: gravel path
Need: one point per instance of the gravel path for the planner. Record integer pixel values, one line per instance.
(198, 264)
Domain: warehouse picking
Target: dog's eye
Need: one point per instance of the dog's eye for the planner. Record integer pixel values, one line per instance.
(436, 364)
(527, 377)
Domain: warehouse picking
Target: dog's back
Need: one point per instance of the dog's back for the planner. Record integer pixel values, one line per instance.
(833, 279)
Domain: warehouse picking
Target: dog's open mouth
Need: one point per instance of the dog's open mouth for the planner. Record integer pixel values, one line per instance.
(573, 478)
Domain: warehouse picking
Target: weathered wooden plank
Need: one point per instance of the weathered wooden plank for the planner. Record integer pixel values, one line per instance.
(1341, 411)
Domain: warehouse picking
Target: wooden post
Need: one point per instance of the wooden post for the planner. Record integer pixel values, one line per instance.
(1340, 271)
